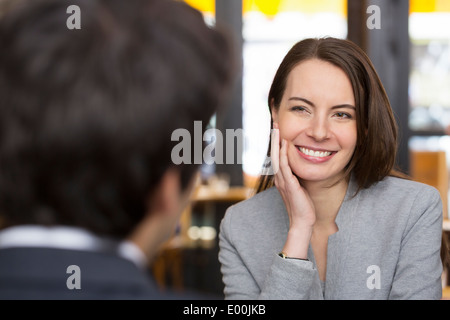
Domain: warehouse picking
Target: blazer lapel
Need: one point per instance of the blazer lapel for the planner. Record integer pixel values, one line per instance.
(338, 243)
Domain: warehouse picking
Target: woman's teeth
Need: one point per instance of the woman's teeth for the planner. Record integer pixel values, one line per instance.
(318, 154)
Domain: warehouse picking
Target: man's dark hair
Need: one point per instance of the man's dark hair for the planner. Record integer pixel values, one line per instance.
(86, 115)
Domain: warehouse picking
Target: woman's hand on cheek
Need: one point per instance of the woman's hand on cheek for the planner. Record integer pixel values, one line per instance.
(299, 205)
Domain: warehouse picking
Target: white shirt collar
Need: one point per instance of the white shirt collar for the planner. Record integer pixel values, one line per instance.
(71, 238)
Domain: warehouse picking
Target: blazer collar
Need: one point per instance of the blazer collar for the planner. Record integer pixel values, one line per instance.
(338, 243)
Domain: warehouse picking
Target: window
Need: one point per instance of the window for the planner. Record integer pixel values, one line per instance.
(429, 82)
(429, 29)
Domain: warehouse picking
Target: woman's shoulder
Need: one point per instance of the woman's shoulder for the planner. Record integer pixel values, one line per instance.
(267, 199)
(260, 221)
(261, 208)
(261, 198)
(396, 186)
(394, 206)
(405, 195)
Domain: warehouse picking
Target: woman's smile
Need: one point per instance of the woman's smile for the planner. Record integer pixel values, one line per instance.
(315, 155)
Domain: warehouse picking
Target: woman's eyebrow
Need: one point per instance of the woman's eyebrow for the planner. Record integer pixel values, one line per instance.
(302, 99)
(349, 106)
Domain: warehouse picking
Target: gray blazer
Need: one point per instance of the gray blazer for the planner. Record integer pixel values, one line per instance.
(387, 247)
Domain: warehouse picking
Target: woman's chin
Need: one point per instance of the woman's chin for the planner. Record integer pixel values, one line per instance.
(316, 176)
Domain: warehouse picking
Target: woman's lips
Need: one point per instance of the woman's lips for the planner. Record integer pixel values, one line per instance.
(314, 155)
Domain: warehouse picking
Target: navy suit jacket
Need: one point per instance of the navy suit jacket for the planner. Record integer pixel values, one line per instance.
(42, 273)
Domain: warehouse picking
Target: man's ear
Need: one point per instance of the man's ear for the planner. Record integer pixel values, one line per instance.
(166, 197)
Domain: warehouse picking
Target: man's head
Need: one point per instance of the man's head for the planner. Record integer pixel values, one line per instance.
(86, 115)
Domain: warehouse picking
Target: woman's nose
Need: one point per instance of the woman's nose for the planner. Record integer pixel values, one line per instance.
(318, 128)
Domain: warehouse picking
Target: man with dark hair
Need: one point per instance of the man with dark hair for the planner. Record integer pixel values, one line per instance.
(88, 191)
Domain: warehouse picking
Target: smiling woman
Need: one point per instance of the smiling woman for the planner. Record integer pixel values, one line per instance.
(320, 129)
(352, 81)
(344, 222)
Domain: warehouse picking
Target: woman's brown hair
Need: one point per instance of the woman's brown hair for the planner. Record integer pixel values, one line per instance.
(375, 152)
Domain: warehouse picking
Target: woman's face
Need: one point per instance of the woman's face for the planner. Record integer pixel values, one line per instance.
(317, 117)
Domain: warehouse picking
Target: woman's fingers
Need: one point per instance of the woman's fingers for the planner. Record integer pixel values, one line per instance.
(284, 163)
(275, 150)
(298, 203)
(285, 170)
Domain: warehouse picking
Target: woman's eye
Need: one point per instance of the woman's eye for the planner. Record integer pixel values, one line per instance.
(343, 115)
(298, 108)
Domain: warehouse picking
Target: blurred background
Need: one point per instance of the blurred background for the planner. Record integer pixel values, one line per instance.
(410, 48)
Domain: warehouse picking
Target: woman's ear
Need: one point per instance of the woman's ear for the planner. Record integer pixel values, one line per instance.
(274, 114)
(275, 125)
